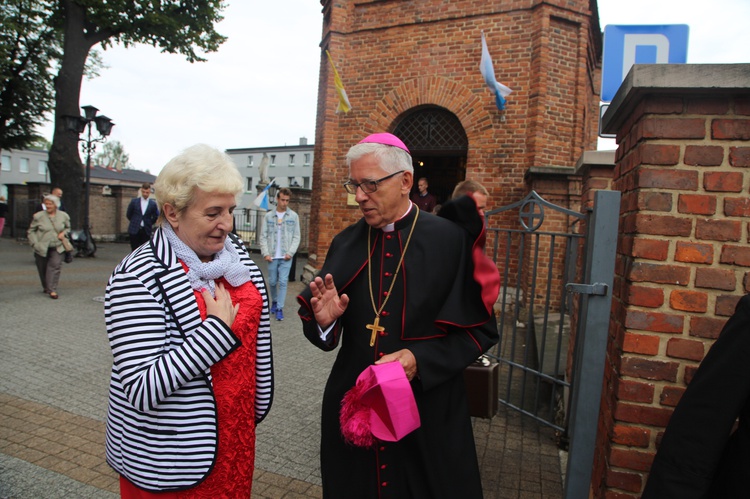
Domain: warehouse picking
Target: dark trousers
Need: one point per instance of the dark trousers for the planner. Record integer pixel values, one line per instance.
(138, 239)
(49, 269)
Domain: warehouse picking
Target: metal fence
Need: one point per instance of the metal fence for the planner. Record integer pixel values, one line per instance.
(21, 215)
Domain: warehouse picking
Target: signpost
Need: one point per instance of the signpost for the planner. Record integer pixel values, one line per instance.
(628, 45)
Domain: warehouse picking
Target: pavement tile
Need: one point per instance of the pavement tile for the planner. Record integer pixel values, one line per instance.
(83, 474)
(30, 455)
(271, 492)
(54, 378)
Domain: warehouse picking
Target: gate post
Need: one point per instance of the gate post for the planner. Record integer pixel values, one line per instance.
(591, 341)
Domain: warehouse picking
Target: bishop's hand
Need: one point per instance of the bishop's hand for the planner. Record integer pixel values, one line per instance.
(406, 358)
(326, 303)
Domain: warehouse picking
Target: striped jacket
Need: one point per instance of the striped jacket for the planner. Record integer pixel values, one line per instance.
(162, 420)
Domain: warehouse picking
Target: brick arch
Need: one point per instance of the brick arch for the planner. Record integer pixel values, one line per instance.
(431, 90)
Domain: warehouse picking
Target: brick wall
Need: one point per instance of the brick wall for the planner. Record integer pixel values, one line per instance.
(107, 211)
(683, 262)
(394, 57)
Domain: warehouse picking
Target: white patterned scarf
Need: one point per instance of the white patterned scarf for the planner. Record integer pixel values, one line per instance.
(226, 263)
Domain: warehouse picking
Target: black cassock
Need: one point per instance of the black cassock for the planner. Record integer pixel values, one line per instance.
(436, 311)
(700, 456)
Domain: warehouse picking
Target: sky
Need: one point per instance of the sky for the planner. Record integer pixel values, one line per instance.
(260, 88)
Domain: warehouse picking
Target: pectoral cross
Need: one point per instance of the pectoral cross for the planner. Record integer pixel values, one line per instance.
(375, 327)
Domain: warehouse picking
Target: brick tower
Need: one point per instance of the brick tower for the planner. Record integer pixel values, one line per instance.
(412, 68)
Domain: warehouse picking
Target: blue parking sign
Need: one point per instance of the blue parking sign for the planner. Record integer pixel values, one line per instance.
(628, 45)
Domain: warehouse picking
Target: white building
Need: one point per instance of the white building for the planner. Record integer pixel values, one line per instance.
(290, 166)
(22, 167)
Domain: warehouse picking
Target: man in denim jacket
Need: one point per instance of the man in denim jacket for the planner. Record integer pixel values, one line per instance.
(279, 239)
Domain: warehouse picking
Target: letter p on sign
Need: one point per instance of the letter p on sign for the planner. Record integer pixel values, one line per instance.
(628, 45)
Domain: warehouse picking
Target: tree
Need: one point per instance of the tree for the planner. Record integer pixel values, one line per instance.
(113, 155)
(41, 143)
(175, 26)
(29, 46)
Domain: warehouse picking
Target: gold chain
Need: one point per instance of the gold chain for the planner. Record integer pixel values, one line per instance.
(398, 268)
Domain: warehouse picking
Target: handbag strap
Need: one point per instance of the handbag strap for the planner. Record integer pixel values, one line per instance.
(54, 225)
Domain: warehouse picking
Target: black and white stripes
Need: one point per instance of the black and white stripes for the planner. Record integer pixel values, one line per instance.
(162, 426)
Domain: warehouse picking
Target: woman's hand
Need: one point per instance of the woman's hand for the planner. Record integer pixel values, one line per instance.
(61, 235)
(221, 306)
(326, 303)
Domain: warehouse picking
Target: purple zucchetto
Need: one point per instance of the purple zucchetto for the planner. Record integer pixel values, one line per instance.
(385, 138)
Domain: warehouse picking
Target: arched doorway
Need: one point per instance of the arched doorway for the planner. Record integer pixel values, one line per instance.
(438, 146)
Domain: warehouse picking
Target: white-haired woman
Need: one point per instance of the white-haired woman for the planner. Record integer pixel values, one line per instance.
(46, 233)
(187, 320)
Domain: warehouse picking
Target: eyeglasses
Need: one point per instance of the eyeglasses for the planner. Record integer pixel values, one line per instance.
(368, 186)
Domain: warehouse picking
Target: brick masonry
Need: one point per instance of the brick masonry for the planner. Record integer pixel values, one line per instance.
(683, 262)
(395, 58)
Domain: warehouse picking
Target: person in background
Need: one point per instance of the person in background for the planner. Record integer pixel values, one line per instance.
(399, 286)
(3, 213)
(473, 189)
(187, 321)
(142, 213)
(705, 450)
(56, 191)
(279, 240)
(423, 199)
(46, 233)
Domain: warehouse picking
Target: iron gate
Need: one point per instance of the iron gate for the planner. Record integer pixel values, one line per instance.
(535, 262)
(555, 264)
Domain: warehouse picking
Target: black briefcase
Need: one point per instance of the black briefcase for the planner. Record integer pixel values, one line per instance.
(482, 378)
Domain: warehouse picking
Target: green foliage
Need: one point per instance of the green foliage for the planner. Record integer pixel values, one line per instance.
(29, 45)
(31, 34)
(94, 65)
(177, 27)
(40, 143)
(113, 155)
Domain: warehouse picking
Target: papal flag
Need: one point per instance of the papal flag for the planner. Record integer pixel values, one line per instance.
(488, 72)
(262, 200)
(344, 105)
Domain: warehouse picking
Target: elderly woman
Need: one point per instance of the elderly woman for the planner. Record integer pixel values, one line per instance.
(48, 230)
(187, 320)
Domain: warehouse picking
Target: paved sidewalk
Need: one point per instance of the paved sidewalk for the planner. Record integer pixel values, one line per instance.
(54, 372)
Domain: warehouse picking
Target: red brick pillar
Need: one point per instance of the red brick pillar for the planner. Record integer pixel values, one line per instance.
(683, 259)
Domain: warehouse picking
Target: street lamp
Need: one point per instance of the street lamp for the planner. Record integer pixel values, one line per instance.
(104, 126)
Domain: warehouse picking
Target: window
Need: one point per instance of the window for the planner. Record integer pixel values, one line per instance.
(307, 159)
(6, 163)
(42, 167)
(249, 183)
(291, 160)
(306, 182)
(292, 182)
(273, 160)
(23, 165)
(250, 160)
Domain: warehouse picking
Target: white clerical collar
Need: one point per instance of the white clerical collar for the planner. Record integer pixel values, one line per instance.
(392, 226)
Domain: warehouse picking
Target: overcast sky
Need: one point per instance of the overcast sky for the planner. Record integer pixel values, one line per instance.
(260, 88)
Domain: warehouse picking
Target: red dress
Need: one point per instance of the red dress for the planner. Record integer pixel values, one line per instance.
(234, 389)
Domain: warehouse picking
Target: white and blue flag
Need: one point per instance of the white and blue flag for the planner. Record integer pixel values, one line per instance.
(262, 200)
(488, 72)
